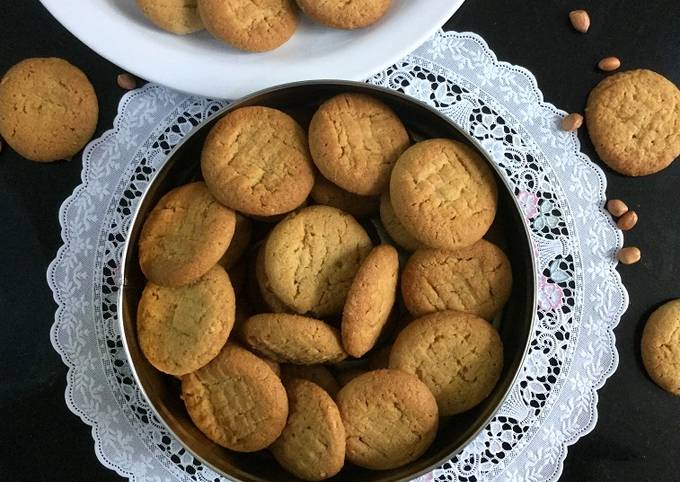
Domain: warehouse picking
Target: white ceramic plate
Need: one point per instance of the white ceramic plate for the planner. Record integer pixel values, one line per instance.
(199, 64)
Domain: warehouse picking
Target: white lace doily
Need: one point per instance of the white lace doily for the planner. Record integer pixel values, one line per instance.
(562, 194)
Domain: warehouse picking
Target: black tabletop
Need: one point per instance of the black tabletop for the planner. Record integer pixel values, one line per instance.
(637, 437)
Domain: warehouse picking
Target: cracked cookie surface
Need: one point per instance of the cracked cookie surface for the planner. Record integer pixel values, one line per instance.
(48, 109)
(345, 14)
(312, 445)
(355, 141)
(660, 346)
(457, 355)
(476, 280)
(633, 119)
(255, 160)
(293, 339)
(182, 329)
(326, 193)
(184, 236)
(311, 258)
(390, 418)
(370, 300)
(443, 193)
(251, 25)
(175, 16)
(236, 400)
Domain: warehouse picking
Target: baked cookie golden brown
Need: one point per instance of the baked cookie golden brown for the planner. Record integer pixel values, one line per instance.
(476, 279)
(312, 445)
(457, 355)
(270, 299)
(390, 419)
(633, 119)
(661, 346)
(184, 236)
(249, 25)
(443, 193)
(175, 16)
(181, 329)
(343, 14)
(370, 300)
(318, 374)
(393, 226)
(236, 400)
(311, 257)
(293, 339)
(326, 193)
(255, 160)
(355, 140)
(48, 109)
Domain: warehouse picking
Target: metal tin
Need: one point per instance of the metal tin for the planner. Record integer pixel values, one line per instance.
(515, 326)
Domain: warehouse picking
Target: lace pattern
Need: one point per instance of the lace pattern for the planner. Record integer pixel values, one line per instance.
(561, 192)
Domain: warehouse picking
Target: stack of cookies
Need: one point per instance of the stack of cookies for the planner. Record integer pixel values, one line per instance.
(258, 26)
(291, 322)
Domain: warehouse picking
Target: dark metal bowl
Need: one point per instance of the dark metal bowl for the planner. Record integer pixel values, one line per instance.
(515, 325)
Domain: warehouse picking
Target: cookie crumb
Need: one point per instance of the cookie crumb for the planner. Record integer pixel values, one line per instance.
(126, 81)
(629, 255)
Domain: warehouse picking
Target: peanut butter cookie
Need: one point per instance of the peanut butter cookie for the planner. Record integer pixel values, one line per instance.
(326, 193)
(265, 289)
(184, 236)
(343, 14)
(393, 226)
(248, 25)
(181, 329)
(443, 193)
(311, 258)
(236, 400)
(48, 109)
(240, 241)
(370, 300)
(255, 160)
(355, 140)
(476, 279)
(661, 347)
(457, 355)
(175, 16)
(293, 339)
(318, 374)
(390, 419)
(633, 120)
(312, 446)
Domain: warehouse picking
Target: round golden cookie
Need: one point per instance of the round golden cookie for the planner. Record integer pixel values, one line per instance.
(394, 227)
(312, 446)
(48, 109)
(443, 193)
(318, 374)
(248, 25)
(184, 236)
(175, 16)
(390, 418)
(355, 140)
(344, 14)
(457, 355)
(370, 300)
(293, 339)
(661, 346)
(311, 258)
(181, 329)
(476, 280)
(240, 241)
(255, 160)
(326, 193)
(236, 400)
(265, 288)
(633, 120)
